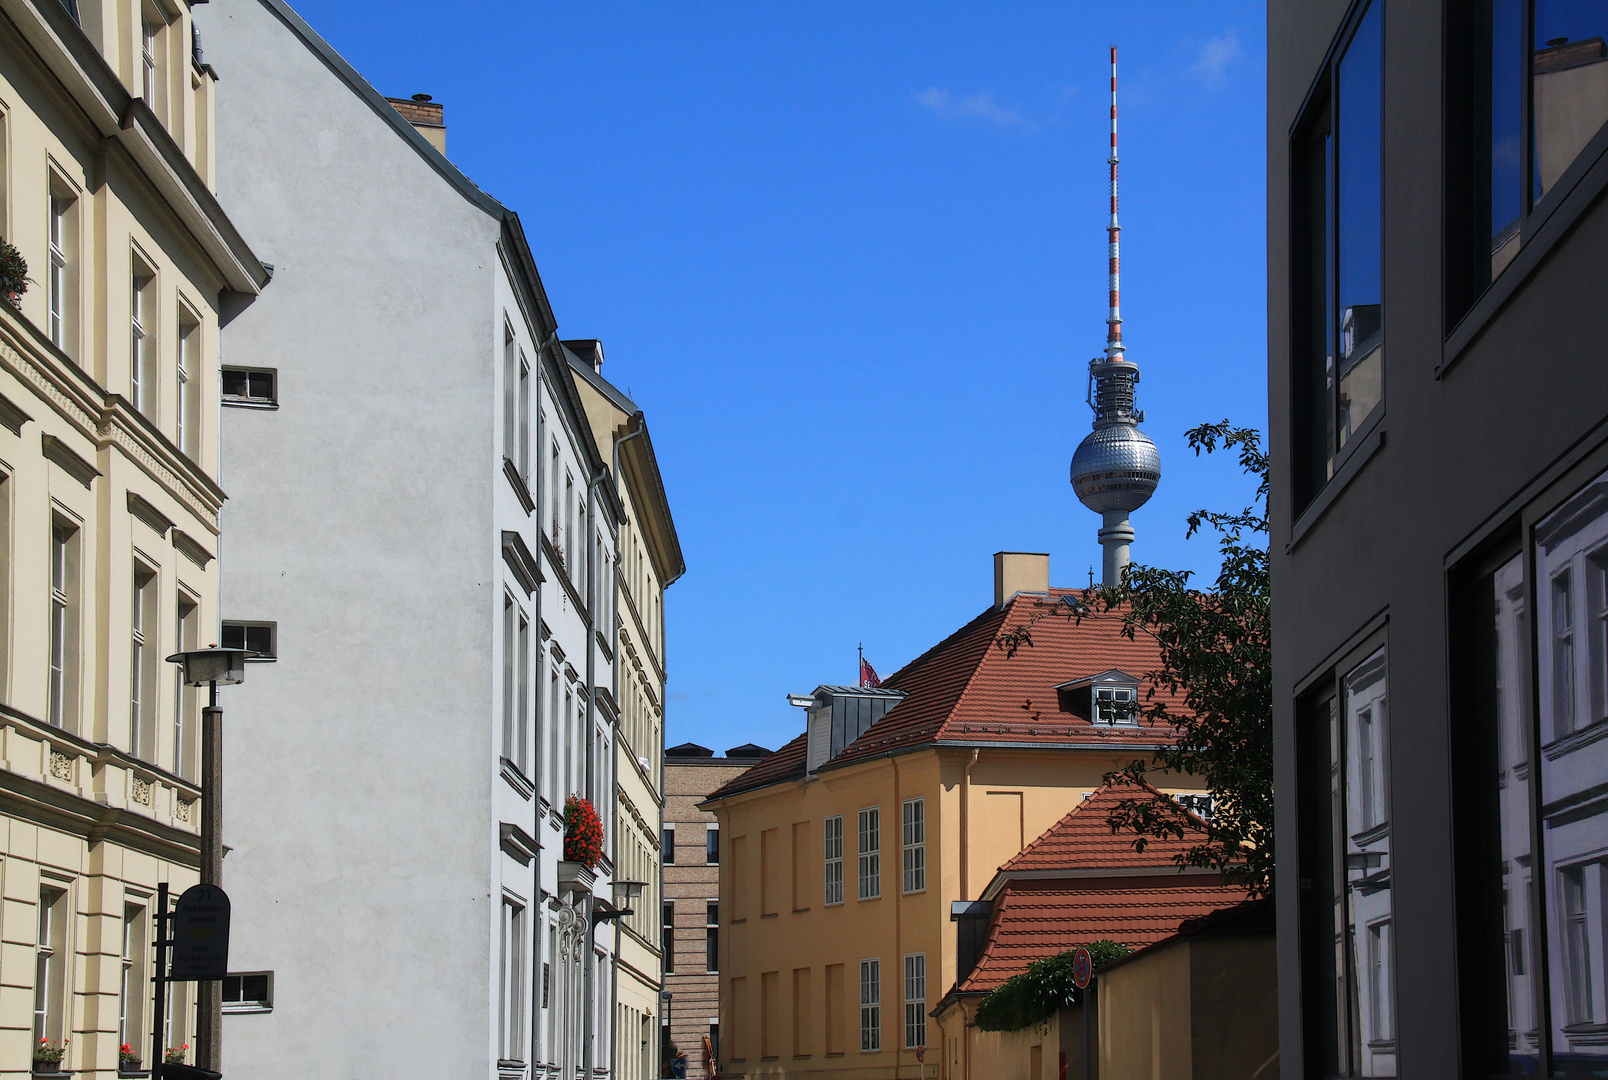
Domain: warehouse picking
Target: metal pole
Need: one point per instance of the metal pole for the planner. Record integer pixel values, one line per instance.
(209, 994)
(159, 980)
(1088, 1004)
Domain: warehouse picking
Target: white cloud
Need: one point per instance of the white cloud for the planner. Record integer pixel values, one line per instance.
(1214, 58)
(978, 106)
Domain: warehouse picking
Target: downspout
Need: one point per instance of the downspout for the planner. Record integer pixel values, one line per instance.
(614, 1012)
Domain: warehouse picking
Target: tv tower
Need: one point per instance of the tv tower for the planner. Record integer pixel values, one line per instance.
(1116, 467)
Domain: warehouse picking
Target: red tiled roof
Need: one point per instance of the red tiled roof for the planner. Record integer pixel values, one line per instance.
(1032, 923)
(967, 690)
(1082, 840)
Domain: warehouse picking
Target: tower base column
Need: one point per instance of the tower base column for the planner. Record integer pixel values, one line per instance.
(1116, 537)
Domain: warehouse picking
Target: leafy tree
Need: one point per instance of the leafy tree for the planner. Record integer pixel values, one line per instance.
(1215, 653)
(1037, 993)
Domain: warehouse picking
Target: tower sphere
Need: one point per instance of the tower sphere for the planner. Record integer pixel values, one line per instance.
(1115, 468)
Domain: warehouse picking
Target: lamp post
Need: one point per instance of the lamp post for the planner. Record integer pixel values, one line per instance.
(209, 667)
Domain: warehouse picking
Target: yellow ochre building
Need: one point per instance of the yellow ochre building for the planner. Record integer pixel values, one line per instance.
(847, 850)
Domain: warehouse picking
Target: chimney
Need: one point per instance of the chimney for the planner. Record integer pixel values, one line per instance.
(426, 117)
(1019, 572)
(589, 350)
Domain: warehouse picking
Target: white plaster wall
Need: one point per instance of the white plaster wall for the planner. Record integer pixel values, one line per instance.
(360, 766)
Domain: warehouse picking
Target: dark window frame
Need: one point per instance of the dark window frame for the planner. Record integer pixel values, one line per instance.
(1467, 307)
(268, 655)
(248, 400)
(1316, 117)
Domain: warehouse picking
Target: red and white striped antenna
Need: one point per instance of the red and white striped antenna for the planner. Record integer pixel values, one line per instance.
(1114, 346)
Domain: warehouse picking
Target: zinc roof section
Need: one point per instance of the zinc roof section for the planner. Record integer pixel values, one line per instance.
(1083, 840)
(1035, 923)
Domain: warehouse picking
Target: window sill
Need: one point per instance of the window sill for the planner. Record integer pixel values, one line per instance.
(1371, 442)
(771, 915)
(235, 403)
(522, 490)
(800, 910)
(517, 779)
(137, 1072)
(1531, 255)
(231, 1010)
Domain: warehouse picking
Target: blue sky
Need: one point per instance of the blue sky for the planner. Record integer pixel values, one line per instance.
(850, 260)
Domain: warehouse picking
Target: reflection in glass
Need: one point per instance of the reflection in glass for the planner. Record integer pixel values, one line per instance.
(1359, 120)
(1573, 763)
(1507, 172)
(1367, 871)
(1513, 793)
(1569, 84)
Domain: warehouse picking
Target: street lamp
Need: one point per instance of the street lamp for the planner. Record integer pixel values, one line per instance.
(625, 892)
(209, 667)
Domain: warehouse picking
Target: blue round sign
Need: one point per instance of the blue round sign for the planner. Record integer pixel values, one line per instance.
(1082, 968)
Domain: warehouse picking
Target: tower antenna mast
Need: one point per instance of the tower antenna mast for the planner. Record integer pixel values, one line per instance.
(1116, 467)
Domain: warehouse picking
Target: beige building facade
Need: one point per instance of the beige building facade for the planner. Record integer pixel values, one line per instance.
(690, 919)
(109, 508)
(648, 561)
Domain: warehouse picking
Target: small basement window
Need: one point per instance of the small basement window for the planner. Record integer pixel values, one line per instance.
(251, 991)
(258, 637)
(257, 387)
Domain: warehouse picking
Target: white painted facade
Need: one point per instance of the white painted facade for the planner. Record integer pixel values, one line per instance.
(421, 515)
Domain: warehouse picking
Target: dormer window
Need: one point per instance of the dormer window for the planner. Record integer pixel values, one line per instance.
(1115, 705)
(1111, 697)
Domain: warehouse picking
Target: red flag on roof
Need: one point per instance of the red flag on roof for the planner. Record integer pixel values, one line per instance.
(868, 674)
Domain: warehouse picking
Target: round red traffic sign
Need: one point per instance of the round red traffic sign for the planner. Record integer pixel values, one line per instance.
(1082, 968)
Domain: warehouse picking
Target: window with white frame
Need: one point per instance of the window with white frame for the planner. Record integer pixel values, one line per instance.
(510, 397)
(834, 859)
(510, 663)
(131, 994)
(149, 29)
(552, 734)
(712, 845)
(143, 353)
(50, 959)
(552, 495)
(522, 694)
(187, 406)
(255, 388)
(64, 604)
(870, 853)
(870, 1005)
(61, 278)
(184, 700)
(667, 934)
(511, 1025)
(914, 844)
(712, 937)
(523, 444)
(915, 1000)
(142, 665)
(1115, 705)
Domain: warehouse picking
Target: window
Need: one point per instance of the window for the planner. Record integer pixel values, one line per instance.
(553, 721)
(142, 666)
(50, 964)
(915, 997)
(187, 404)
(1115, 705)
(261, 638)
(1568, 96)
(1346, 867)
(251, 991)
(523, 443)
(1199, 805)
(914, 847)
(148, 34)
(553, 494)
(567, 551)
(61, 283)
(712, 937)
(184, 699)
(1337, 245)
(256, 387)
(510, 397)
(142, 354)
(510, 663)
(870, 853)
(511, 1023)
(131, 993)
(667, 934)
(834, 859)
(712, 845)
(667, 845)
(870, 1005)
(63, 625)
(522, 695)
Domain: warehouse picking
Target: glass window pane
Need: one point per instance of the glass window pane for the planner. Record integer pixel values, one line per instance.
(1573, 760)
(1507, 172)
(1359, 123)
(1569, 84)
(1367, 926)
